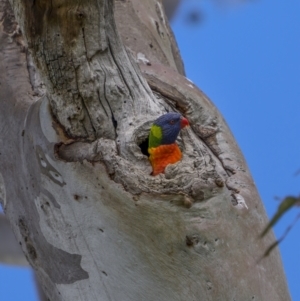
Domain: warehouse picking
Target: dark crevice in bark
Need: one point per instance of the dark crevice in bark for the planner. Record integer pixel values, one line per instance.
(83, 37)
(114, 121)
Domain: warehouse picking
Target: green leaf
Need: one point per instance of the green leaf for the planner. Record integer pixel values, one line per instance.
(271, 247)
(284, 206)
(277, 242)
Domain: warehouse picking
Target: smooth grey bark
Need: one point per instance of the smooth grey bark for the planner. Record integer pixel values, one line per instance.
(75, 186)
(10, 251)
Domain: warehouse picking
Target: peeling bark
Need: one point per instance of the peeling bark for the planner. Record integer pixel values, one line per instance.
(92, 221)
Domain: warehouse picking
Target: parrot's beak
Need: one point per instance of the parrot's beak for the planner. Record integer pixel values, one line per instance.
(184, 122)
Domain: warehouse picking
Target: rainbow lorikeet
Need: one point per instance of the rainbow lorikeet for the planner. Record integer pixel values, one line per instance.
(162, 148)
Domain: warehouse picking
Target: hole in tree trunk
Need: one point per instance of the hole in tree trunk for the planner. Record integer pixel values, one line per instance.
(144, 147)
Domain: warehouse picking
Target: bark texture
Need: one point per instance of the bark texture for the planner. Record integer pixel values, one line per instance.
(75, 185)
(10, 251)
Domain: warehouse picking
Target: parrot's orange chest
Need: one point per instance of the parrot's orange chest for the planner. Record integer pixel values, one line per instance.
(163, 155)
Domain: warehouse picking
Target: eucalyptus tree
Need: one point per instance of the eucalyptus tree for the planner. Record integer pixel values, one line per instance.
(80, 85)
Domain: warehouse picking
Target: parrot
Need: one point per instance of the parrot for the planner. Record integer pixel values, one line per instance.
(162, 147)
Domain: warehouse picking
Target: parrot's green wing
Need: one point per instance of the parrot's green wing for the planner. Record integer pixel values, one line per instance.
(155, 136)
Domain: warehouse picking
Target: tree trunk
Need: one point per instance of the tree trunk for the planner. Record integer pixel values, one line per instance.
(10, 251)
(75, 186)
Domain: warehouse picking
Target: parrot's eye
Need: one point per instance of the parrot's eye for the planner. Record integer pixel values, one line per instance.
(172, 121)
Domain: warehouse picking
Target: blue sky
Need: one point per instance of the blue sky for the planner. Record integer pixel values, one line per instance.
(246, 59)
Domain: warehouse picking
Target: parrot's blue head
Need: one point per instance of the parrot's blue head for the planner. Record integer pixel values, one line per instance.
(170, 124)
